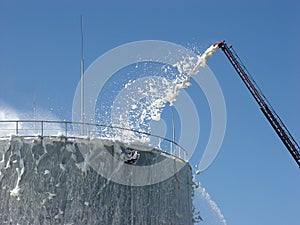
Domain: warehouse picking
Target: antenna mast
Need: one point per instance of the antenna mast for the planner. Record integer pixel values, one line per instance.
(82, 77)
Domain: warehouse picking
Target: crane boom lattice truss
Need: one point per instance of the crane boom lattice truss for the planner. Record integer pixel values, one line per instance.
(265, 106)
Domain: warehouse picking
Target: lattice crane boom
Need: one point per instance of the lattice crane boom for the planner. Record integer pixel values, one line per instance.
(263, 103)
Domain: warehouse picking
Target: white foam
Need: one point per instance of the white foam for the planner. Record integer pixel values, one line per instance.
(144, 99)
(51, 195)
(7, 113)
(27, 128)
(16, 191)
(208, 208)
(62, 167)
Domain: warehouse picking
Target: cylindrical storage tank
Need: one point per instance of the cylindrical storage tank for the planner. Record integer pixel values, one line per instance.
(60, 180)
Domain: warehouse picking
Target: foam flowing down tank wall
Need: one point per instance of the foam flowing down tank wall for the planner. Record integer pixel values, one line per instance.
(47, 181)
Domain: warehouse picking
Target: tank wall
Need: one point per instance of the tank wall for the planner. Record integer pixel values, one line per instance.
(48, 181)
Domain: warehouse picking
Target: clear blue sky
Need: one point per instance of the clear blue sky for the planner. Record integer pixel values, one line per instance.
(254, 179)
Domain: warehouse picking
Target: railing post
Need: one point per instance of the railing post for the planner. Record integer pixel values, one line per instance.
(66, 129)
(42, 128)
(17, 127)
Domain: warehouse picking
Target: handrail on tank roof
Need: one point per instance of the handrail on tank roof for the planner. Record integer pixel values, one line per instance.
(16, 129)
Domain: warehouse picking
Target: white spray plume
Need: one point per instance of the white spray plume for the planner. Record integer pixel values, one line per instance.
(202, 60)
(7, 113)
(155, 92)
(217, 216)
(186, 68)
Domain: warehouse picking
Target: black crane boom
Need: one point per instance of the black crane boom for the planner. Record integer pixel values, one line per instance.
(265, 106)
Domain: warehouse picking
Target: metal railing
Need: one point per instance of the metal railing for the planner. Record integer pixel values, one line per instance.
(49, 128)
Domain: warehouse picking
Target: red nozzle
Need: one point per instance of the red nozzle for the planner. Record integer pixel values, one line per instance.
(220, 44)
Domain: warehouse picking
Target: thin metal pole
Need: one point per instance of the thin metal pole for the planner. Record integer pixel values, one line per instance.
(82, 76)
(42, 128)
(17, 127)
(66, 129)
